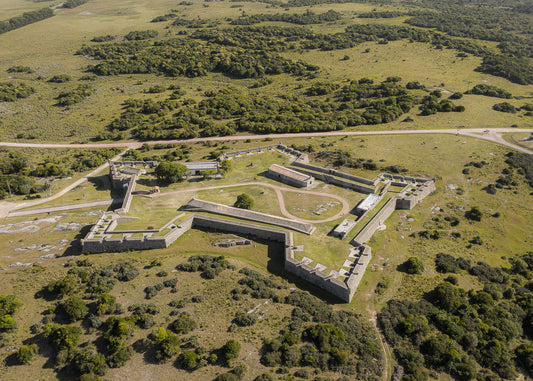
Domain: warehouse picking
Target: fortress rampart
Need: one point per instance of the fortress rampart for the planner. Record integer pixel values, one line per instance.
(196, 205)
(343, 283)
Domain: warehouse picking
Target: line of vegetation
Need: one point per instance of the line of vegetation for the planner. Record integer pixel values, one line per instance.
(73, 3)
(306, 18)
(20, 69)
(489, 91)
(26, 19)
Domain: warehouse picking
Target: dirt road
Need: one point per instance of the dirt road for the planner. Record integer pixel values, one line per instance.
(491, 135)
(6, 207)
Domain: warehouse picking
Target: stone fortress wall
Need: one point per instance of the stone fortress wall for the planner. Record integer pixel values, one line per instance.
(101, 236)
(196, 205)
(332, 176)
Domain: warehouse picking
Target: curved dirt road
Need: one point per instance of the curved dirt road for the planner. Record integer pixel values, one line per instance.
(6, 207)
(278, 190)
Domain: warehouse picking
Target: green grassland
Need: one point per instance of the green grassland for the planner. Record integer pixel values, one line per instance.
(48, 52)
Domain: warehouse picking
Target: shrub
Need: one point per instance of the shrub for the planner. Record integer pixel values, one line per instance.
(167, 344)
(244, 201)
(231, 350)
(242, 319)
(74, 309)
(161, 273)
(106, 304)
(445, 263)
(26, 353)
(474, 214)
(188, 360)
(62, 336)
(183, 324)
(58, 289)
(413, 266)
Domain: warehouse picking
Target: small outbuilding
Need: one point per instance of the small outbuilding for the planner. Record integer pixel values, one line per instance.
(368, 203)
(342, 229)
(196, 167)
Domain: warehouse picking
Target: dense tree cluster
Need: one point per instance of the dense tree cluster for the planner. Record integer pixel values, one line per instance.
(489, 91)
(10, 92)
(26, 19)
(357, 103)
(467, 334)
(337, 341)
(306, 18)
(187, 57)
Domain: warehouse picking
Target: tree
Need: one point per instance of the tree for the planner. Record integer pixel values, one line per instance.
(231, 350)
(244, 201)
(170, 172)
(225, 166)
(207, 173)
(88, 360)
(74, 308)
(413, 266)
(188, 360)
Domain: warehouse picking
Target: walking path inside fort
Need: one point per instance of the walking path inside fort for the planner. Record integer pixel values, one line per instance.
(278, 190)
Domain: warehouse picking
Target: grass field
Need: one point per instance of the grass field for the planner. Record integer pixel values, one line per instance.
(48, 52)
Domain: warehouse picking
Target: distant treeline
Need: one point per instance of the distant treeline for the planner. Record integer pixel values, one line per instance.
(301, 19)
(26, 19)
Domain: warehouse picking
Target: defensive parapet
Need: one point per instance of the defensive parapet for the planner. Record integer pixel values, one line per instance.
(331, 179)
(196, 205)
(299, 156)
(410, 197)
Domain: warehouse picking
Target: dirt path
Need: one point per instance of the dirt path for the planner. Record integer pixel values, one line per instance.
(387, 355)
(6, 207)
(278, 190)
(478, 133)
